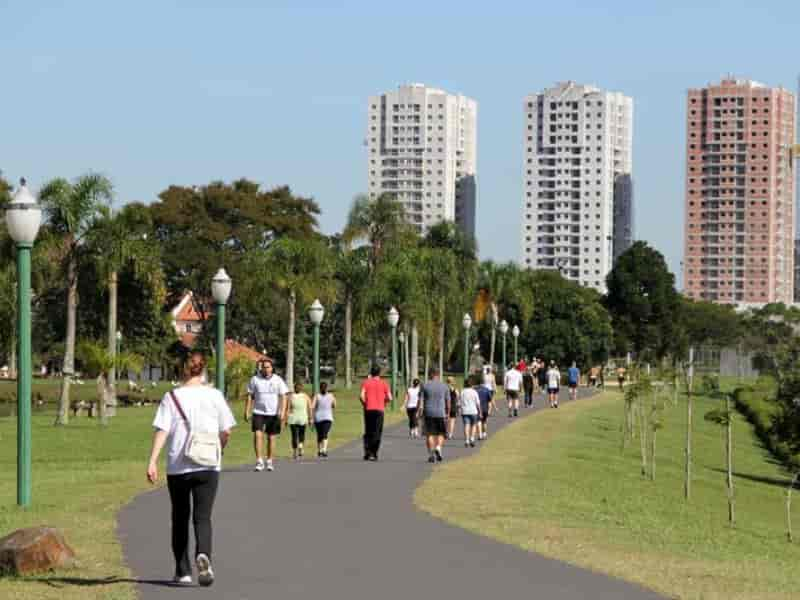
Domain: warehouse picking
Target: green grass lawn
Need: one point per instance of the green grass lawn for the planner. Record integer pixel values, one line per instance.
(83, 474)
(558, 483)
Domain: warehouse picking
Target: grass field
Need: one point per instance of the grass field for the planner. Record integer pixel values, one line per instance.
(558, 483)
(83, 474)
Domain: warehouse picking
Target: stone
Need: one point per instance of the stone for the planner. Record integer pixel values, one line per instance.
(33, 550)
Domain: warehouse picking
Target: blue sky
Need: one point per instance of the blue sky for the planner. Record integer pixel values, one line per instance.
(154, 93)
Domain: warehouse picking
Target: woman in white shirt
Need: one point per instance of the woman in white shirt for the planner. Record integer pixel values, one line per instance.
(470, 407)
(190, 409)
(412, 407)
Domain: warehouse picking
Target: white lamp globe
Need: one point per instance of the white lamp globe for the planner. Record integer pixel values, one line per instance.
(503, 327)
(23, 216)
(466, 321)
(515, 331)
(316, 312)
(401, 337)
(221, 287)
(393, 317)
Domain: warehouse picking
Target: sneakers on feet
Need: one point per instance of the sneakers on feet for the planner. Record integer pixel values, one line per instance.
(431, 459)
(205, 575)
(438, 454)
(183, 579)
(466, 444)
(472, 443)
(260, 466)
(270, 466)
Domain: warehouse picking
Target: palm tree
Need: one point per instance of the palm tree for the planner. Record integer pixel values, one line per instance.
(352, 274)
(99, 362)
(376, 222)
(70, 209)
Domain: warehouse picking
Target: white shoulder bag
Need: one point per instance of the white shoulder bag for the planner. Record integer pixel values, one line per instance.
(202, 448)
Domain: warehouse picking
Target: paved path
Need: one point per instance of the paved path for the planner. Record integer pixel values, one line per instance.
(348, 529)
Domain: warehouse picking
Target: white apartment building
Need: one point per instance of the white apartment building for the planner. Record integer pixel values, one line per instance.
(578, 141)
(422, 148)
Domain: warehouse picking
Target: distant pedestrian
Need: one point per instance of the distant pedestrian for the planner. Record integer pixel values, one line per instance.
(573, 380)
(412, 408)
(621, 376)
(513, 385)
(375, 395)
(553, 384)
(453, 414)
(434, 407)
(299, 417)
(266, 397)
(542, 375)
(323, 407)
(593, 373)
(188, 416)
(527, 386)
(487, 408)
(470, 408)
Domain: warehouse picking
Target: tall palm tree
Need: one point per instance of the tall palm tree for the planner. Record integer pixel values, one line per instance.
(70, 210)
(352, 274)
(494, 283)
(376, 222)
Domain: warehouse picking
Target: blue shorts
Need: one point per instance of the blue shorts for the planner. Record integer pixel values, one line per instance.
(469, 419)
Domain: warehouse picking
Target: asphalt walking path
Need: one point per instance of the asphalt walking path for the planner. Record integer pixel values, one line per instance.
(345, 528)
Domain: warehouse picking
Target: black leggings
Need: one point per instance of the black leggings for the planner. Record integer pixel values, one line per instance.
(298, 435)
(191, 489)
(412, 418)
(323, 429)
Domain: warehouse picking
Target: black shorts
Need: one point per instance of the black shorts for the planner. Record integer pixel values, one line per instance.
(512, 394)
(435, 426)
(453, 410)
(323, 429)
(572, 386)
(552, 390)
(269, 424)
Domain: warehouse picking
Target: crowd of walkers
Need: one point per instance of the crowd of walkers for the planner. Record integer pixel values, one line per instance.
(194, 422)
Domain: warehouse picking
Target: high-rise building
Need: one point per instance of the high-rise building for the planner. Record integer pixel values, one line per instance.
(623, 214)
(797, 270)
(739, 235)
(578, 142)
(422, 149)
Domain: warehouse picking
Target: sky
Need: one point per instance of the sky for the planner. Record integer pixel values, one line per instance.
(154, 93)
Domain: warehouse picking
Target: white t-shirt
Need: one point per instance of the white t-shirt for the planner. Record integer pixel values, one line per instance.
(207, 412)
(553, 378)
(488, 381)
(266, 392)
(413, 398)
(470, 402)
(513, 380)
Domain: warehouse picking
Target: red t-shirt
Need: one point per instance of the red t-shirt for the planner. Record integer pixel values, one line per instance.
(375, 393)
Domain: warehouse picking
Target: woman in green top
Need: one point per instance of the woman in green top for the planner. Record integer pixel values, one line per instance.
(299, 416)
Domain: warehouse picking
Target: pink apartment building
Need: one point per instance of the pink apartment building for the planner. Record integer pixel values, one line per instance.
(739, 235)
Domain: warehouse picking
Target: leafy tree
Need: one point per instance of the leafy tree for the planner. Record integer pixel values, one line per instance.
(70, 210)
(642, 301)
(352, 276)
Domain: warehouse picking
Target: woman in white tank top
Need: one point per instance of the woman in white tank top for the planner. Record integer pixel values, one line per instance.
(322, 407)
(412, 409)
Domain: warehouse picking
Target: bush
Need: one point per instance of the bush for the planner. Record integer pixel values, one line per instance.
(757, 403)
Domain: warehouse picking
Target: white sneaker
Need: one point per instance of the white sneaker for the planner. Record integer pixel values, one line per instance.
(269, 466)
(260, 465)
(205, 575)
(185, 580)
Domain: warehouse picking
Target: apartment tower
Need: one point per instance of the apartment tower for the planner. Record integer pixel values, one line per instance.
(578, 144)
(739, 235)
(422, 149)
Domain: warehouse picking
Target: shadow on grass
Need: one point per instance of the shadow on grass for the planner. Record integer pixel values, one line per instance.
(777, 481)
(92, 582)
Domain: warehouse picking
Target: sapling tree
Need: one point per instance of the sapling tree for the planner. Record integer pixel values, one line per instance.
(722, 416)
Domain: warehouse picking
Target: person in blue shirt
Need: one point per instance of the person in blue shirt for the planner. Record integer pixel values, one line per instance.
(573, 378)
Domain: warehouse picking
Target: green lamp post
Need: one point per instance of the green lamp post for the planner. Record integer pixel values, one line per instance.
(467, 323)
(504, 331)
(393, 317)
(221, 290)
(316, 313)
(515, 333)
(402, 370)
(23, 217)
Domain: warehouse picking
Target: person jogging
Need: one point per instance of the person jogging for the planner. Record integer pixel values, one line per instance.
(553, 383)
(487, 407)
(573, 379)
(453, 413)
(412, 406)
(266, 398)
(527, 386)
(298, 419)
(434, 407)
(375, 395)
(512, 385)
(470, 408)
(322, 407)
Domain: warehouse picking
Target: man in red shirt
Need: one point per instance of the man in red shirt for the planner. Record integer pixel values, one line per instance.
(375, 395)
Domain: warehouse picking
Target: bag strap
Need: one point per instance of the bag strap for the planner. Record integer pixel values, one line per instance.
(179, 407)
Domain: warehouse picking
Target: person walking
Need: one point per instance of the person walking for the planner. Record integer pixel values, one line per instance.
(412, 406)
(453, 413)
(470, 407)
(621, 377)
(266, 398)
(434, 407)
(527, 386)
(512, 385)
(375, 395)
(593, 372)
(542, 373)
(298, 419)
(193, 412)
(573, 379)
(322, 407)
(553, 384)
(487, 408)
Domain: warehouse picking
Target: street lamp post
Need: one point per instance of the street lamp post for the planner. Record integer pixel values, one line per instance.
(401, 339)
(221, 290)
(316, 313)
(515, 333)
(467, 323)
(23, 217)
(119, 341)
(504, 331)
(393, 317)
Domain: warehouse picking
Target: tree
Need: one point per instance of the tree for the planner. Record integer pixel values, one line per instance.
(376, 222)
(70, 209)
(98, 362)
(642, 301)
(352, 275)
(724, 418)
